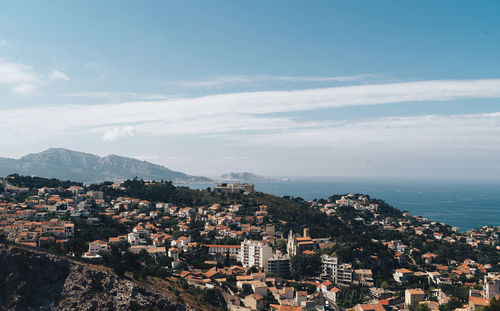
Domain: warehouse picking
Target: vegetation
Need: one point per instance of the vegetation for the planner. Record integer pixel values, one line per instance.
(305, 266)
(351, 296)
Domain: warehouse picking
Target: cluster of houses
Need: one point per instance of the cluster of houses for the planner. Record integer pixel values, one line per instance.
(263, 269)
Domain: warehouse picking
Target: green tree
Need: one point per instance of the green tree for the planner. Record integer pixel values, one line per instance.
(420, 307)
(281, 245)
(305, 265)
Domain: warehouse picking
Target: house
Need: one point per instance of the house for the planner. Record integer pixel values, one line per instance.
(428, 257)
(414, 296)
(326, 286)
(254, 301)
(332, 294)
(173, 253)
(475, 302)
(156, 251)
(400, 275)
(133, 238)
(300, 297)
(95, 248)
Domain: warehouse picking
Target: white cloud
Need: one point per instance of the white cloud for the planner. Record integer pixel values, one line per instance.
(116, 133)
(415, 133)
(4, 42)
(238, 116)
(228, 80)
(118, 96)
(58, 75)
(23, 79)
(20, 77)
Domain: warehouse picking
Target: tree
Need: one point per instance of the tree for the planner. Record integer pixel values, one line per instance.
(351, 296)
(281, 245)
(246, 290)
(305, 265)
(451, 305)
(420, 307)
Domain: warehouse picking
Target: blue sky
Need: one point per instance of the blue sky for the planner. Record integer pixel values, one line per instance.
(323, 88)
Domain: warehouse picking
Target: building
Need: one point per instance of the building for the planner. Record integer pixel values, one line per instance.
(329, 267)
(279, 265)
(363, 277)
(414, 296)
(491, 285)
(133, 238)
(338, 273)
(401, 275)
(476, 303)
(232, 250)
(254, 254)
(369, 307)
(344, 274)
(254, 302)
(96, 195)
(97, 247)
(297, 245)
(234, 188)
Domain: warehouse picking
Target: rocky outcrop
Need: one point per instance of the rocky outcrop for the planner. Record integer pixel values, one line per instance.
(34, 280)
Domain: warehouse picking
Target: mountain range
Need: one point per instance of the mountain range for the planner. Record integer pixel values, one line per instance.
(243, 176)
(89, 168)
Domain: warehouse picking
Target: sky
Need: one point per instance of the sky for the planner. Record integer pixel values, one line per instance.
(280, 88)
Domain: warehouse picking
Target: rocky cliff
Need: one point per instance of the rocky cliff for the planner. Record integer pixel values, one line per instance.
(34, 280)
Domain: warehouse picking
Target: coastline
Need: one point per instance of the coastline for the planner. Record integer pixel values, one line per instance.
(466, 205)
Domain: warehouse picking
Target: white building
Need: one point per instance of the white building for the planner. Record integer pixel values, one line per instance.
(133, 238)
(329, 266)
(234, 188)
(254, 253)
(98, 246)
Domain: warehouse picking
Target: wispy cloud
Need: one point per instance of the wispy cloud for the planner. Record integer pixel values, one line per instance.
(20, 77)
(240, 116)
(23, 79)
(231, 80)
(118, 96)
(4, 42)
(415, 133)
(58, 75)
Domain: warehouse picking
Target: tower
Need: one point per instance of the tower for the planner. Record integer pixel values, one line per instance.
(291, 247)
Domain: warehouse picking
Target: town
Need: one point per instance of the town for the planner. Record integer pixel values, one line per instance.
(346, 252)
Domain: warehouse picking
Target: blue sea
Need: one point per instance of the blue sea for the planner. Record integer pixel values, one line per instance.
(464, 204)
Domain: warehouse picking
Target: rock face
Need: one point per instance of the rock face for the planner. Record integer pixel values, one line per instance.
(32, 280)
(84, 167)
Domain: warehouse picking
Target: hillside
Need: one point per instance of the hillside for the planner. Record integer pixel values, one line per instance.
(38, 280)
(84, 167)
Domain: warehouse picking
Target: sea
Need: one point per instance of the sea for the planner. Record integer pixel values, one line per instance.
(463, 204)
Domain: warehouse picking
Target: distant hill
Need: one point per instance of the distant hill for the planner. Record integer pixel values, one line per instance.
(85, 167)
(244, 176)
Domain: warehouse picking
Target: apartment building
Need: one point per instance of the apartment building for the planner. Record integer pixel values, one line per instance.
(254, 254)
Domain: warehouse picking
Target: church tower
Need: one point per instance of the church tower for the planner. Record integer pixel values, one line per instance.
(291, 247)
